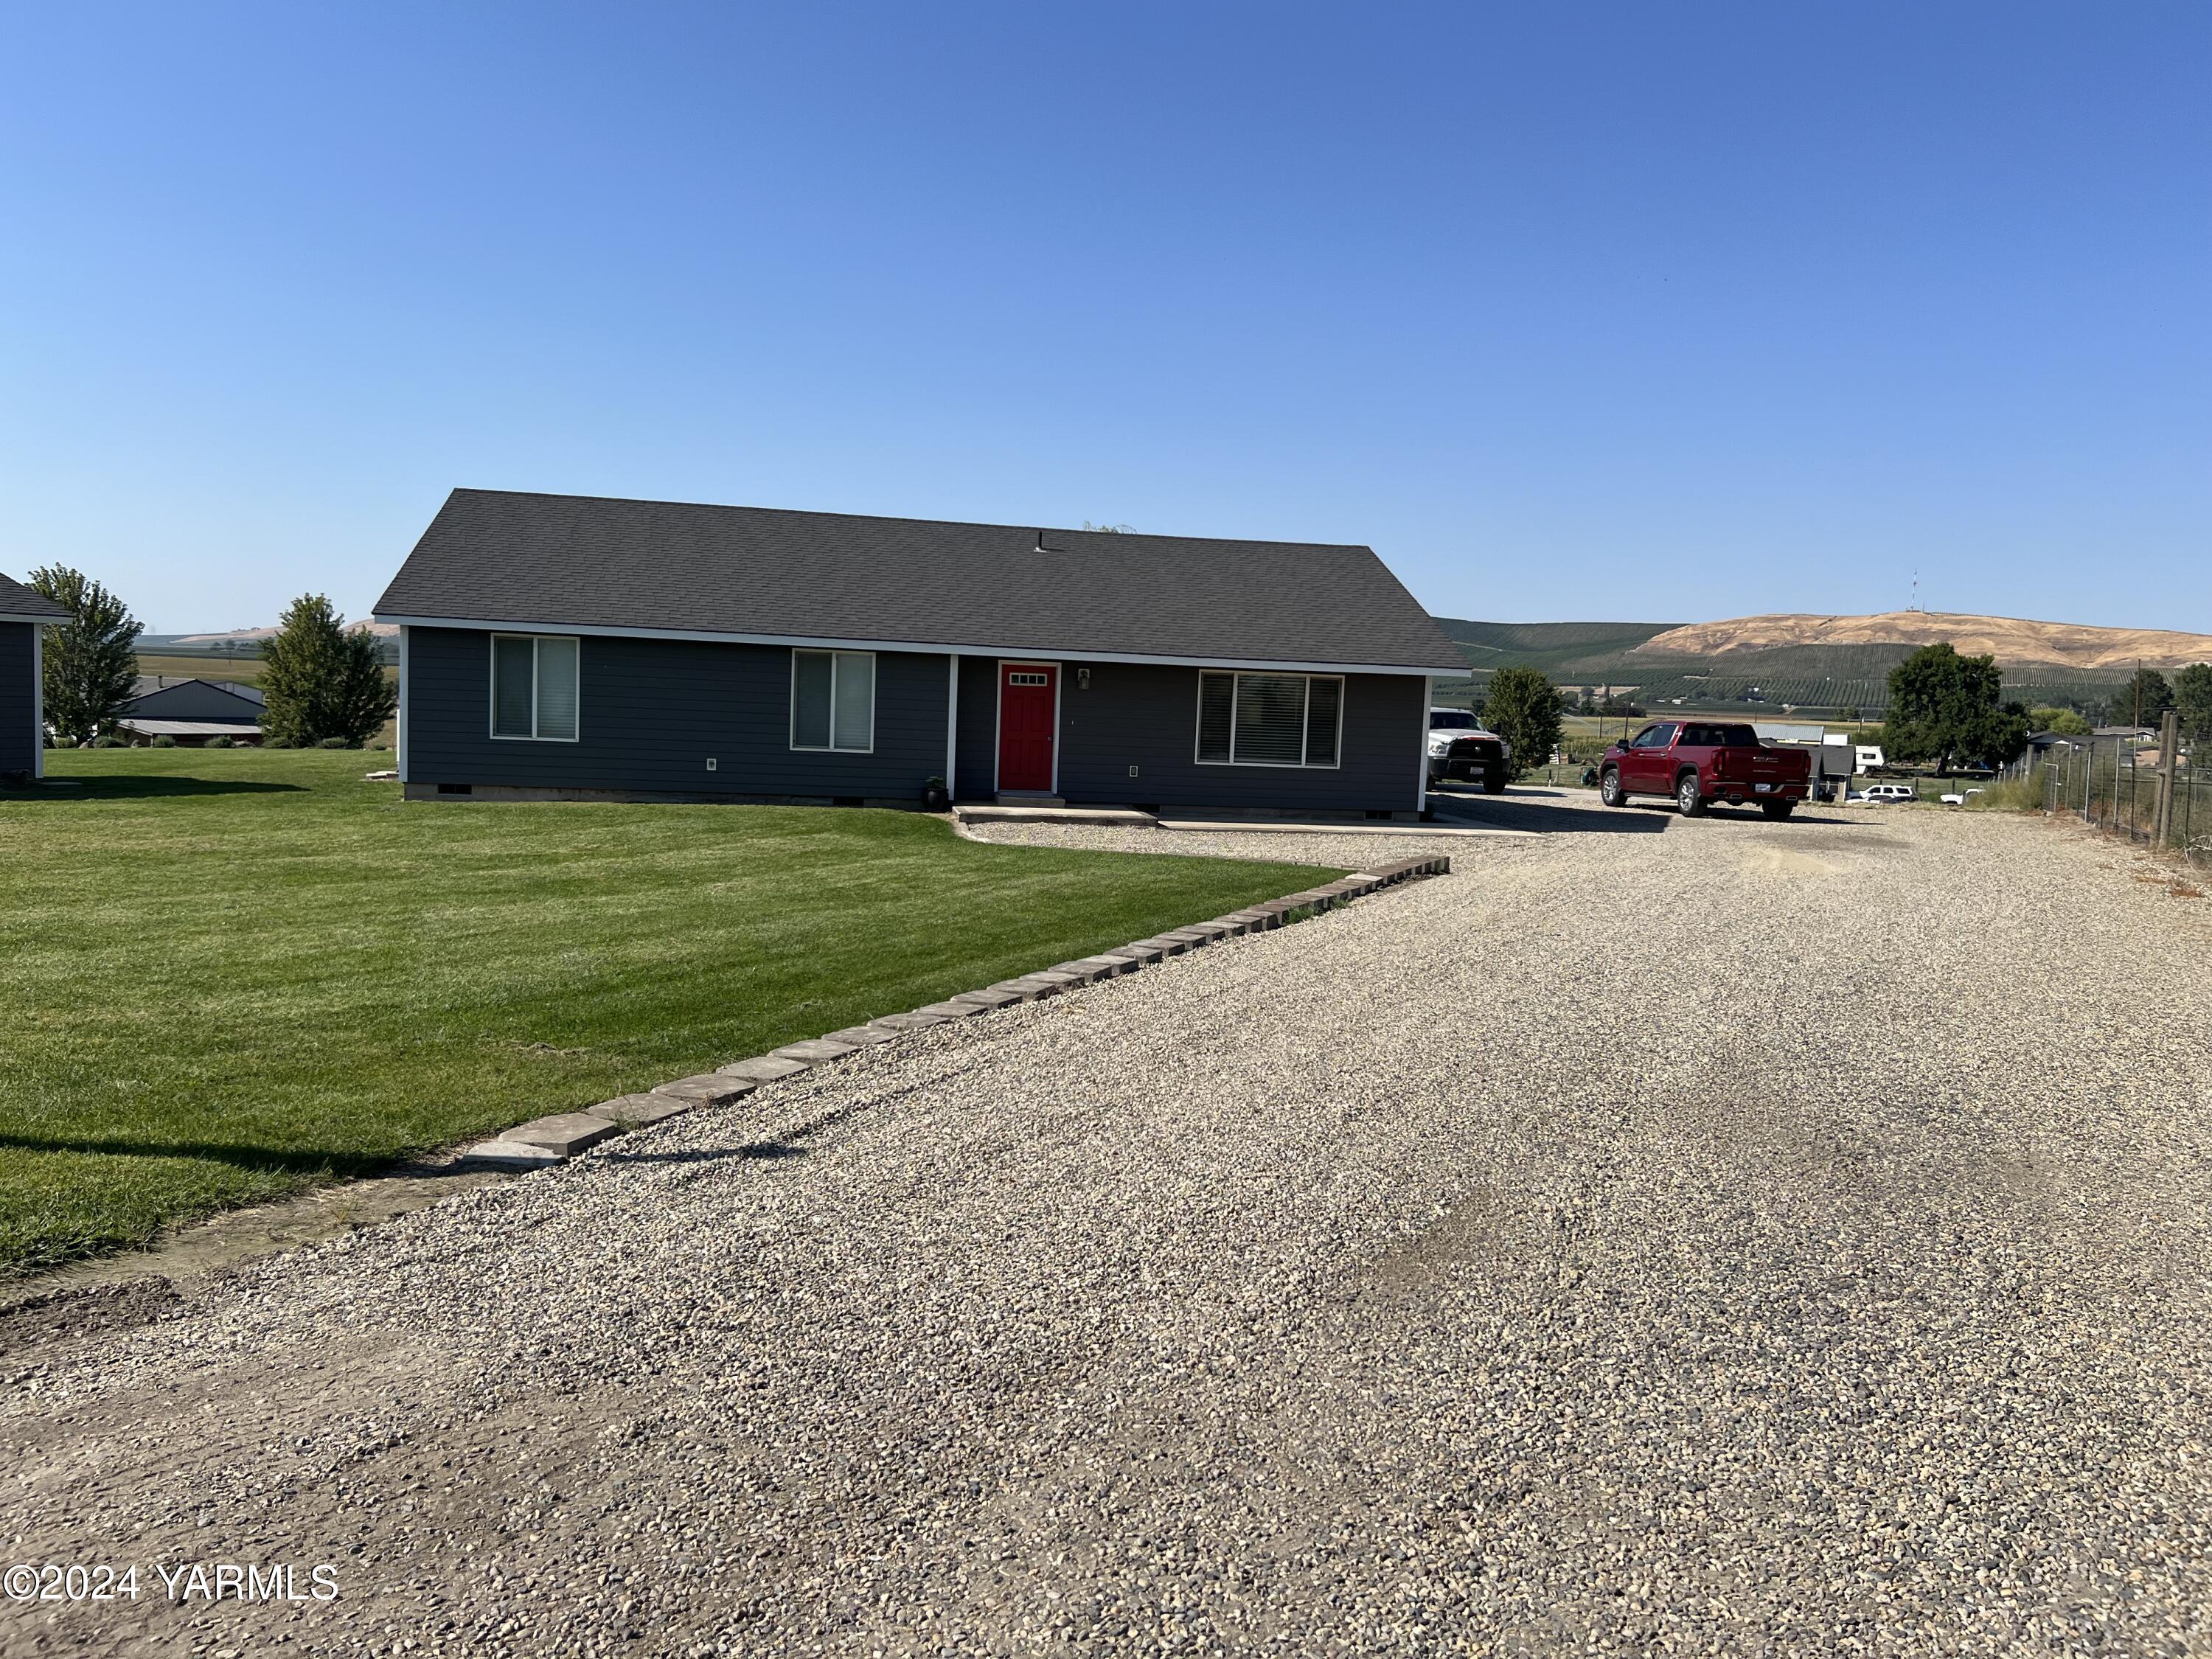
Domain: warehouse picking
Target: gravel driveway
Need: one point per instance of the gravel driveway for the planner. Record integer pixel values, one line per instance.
(1752, 1238)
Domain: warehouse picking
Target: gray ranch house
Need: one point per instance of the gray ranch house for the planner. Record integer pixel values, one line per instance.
(189, 712)
(563, 647)
(23, 616)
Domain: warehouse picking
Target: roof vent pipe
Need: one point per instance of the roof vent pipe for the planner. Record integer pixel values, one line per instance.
(1041, 546)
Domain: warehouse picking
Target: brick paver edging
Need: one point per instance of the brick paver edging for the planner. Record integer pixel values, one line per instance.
(564, 1135)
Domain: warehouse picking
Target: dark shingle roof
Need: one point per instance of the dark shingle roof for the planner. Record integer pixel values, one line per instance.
(17, 600)
(147, 685)
(498, 557)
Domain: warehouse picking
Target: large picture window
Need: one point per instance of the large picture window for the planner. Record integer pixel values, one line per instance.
(832, 700)
(533, 686)
(1269, 720)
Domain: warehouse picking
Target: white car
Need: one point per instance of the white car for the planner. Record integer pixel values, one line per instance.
(1952, 799)
(1875, 794)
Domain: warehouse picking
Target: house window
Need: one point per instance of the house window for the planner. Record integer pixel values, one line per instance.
(832, 700)
(533, 686)
(1269, 720)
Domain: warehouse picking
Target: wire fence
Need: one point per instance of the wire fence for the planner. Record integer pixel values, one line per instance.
(2110, 786)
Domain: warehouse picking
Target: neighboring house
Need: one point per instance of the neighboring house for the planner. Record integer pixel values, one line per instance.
(559, 646)
(24, 615)
(192, 711)
(1799, 731)
(2043, 744)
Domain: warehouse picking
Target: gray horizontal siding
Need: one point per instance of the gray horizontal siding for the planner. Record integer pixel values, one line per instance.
(18, 707)
(979, 728)
(652, 713)
(195, 700)
(1147, 716)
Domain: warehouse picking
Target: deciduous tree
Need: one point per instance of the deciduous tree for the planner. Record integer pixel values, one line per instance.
(1523, 706)
(2143, 700)
(2065, 722)
(1948, 708)
(91, 666)
(322, 679)
(2192, 695)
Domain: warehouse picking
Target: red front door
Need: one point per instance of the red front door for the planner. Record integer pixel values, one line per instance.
(1028, 701)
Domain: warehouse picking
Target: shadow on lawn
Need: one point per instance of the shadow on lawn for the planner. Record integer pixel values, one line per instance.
(267, 1159)
(348, 1165)
(64, 792)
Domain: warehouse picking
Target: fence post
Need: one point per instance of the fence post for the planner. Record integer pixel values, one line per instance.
(2169, 741)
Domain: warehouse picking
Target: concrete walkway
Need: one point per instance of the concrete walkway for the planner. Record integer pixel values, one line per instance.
(1750, 1238)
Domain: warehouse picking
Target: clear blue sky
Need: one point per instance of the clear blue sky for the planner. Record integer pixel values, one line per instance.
(1639, 311)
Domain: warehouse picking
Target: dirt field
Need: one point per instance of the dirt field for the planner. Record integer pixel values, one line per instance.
(1840, 1288)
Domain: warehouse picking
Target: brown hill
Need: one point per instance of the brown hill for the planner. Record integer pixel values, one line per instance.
(253, 635)
(2014, 642)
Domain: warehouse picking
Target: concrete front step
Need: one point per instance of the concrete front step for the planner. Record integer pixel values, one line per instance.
(1011, 812)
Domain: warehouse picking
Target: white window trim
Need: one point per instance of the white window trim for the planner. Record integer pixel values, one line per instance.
(999, 712)
(1301, 764)
(952, 724)
(39, 698)
(491, 711)
(1420, 772)
(831, 747)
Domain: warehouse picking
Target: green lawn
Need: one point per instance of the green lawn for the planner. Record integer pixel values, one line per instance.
(227, 975)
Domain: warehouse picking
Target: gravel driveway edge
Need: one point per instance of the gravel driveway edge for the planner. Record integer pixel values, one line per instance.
(560, 1136)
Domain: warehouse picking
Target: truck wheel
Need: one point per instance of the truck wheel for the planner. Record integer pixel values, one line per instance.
(1608, 787)
(1778, 809)
(1688, 797)
(1493, 783)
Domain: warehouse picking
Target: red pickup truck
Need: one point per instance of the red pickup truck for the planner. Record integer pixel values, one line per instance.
(1701, 762)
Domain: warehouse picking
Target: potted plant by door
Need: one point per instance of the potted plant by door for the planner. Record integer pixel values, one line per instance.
(935, 797)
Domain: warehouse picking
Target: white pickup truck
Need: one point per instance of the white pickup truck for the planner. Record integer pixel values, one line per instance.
(1460, 748)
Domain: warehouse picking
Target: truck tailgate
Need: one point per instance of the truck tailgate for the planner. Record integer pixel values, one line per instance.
(1764, 765)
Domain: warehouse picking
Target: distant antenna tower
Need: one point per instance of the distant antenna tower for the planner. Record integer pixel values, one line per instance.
(1915, 605)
